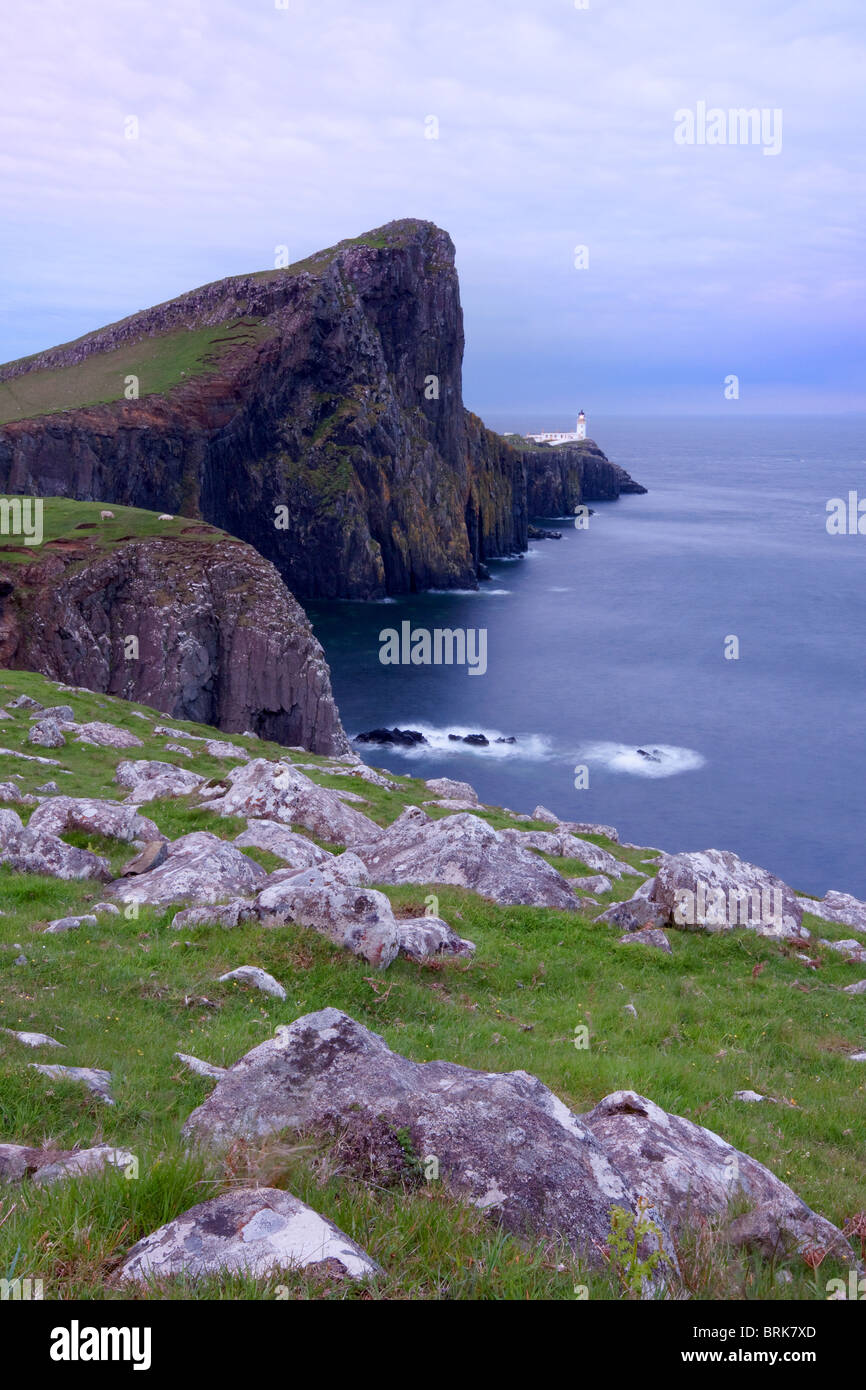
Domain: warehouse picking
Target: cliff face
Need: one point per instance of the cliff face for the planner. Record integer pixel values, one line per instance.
(220, 639)
(561, 476)
(322, 422)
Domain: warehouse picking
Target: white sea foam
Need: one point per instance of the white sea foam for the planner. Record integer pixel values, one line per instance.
(666, 761)
(529, 746)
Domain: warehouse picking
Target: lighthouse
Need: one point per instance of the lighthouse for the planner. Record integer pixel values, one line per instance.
(561, 436)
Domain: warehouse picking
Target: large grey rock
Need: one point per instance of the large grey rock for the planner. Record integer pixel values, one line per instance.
(691, 1173)
(422, 938)
(46, 733)
(113, 819)
(851, 949)
(561, 843)
(358, 919)
(838, 907)
(716, 891)
(33, 852)
(48, 1166)
(199, 869)
(61, 924)
(107, 735)
(466, 851)
(255, 1231)
(258, 978)
(149, 779)
(452, 791)
(32, 1039)
(504, 1142)
(94, 1078)
(278, 791)
(229, 914)
(591, 883)
(647, 936)
(297, 851)
(582, 827)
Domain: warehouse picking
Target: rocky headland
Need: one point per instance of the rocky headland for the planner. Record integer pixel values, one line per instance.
(314, 411)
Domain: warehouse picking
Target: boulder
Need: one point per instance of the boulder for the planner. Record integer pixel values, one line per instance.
(254, 1231)
(581, 827)
(503, 1141)
(259, 979)
(154, 853)
(716, 891)
(32, 852)
(229, 914)
(107, 735)
(635, 914)
(148, 779)
(96, 1080)
(199, 869)
(647, 936)
(113, 819)
(466, 851)
(691, 1174)
(542, 813)
(851, 949)
(450, 790)
(838, 907)
(591, 883)
(61, 924)
(358, 919)
(48, 1166)
(278, 791)
(9, 792)
(200, 1068)
(421, 938)
(32, 1039)
(566, 846)
(297, 851)
(46, 733)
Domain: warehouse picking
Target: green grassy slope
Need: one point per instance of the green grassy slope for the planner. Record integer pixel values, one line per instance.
(127, 994)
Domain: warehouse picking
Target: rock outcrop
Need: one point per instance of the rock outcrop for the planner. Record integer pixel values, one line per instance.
(502, 1141)
(219, 639)
(322, 422)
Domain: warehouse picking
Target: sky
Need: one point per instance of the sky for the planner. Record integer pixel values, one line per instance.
(525, 130)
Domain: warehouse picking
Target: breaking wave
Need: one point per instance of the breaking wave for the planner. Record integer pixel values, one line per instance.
(655, 759)
(530, 746)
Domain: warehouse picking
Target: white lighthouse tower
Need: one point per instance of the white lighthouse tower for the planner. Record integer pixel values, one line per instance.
(561, 436)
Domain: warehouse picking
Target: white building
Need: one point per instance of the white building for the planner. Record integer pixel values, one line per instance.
(562, 436)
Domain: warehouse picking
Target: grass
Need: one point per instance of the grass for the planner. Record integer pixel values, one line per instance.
(127, 994)
(161, 362)
(69, 525)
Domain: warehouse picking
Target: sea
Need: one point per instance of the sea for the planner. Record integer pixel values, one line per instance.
(714, 623)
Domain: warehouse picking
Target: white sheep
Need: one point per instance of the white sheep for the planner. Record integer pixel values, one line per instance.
(106, 516)
(165, 516)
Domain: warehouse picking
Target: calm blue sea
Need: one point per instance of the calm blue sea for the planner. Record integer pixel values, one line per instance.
(613, 639)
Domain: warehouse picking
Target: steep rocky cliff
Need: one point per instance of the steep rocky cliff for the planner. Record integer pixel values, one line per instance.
(217, 637)
(560, 476)
(315, 412)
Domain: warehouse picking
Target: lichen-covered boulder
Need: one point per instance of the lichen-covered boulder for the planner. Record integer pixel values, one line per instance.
(254, 1231)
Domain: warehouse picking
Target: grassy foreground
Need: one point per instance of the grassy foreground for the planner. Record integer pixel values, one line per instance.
(723, 1013)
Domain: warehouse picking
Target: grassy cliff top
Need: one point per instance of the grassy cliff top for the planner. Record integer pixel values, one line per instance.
(163, 359)
(69, 527)
(723, 1012)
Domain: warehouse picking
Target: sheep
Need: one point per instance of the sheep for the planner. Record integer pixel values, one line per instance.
(166, 516)
(106, 516)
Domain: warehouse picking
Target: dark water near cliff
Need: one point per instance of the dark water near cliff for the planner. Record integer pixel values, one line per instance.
(613, 638)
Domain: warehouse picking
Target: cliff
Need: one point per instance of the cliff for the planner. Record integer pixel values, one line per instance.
(315, 412)
(220, 640)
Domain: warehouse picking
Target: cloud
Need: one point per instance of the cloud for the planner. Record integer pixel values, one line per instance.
(261, 126)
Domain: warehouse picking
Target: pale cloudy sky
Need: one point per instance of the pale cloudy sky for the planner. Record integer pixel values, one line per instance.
(262, 126)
